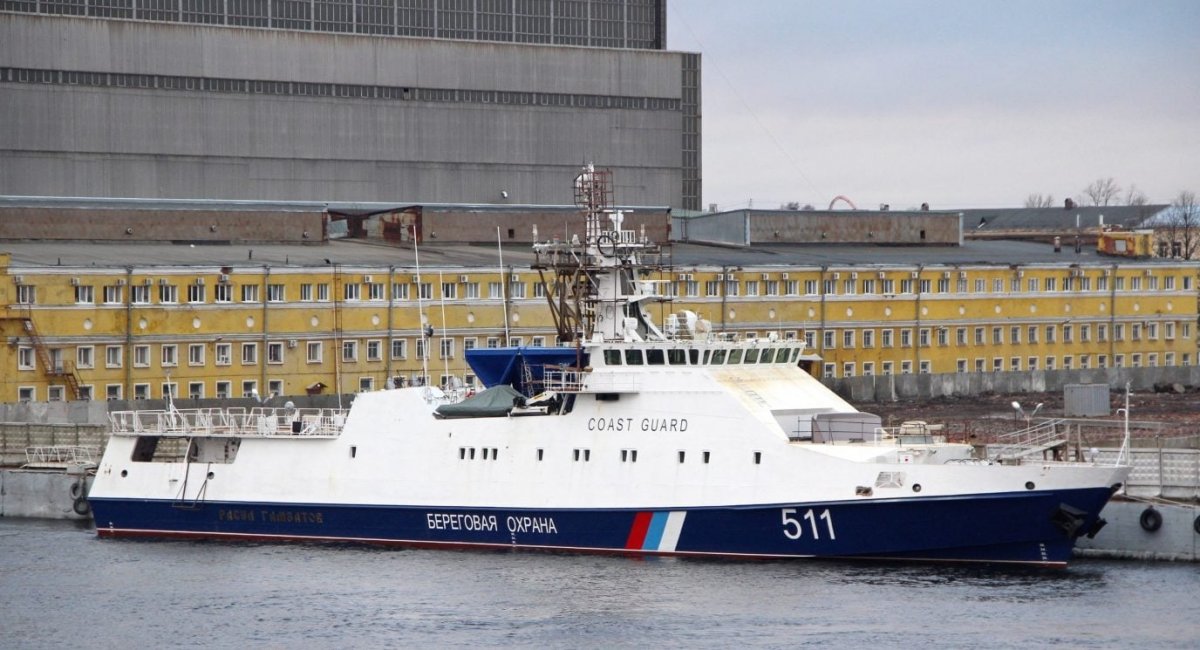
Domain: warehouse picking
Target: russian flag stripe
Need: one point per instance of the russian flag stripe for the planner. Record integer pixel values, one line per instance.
(654, 534)
(671, 531)
(637, 534)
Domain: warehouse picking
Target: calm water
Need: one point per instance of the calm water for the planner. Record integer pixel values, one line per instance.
(60, 586)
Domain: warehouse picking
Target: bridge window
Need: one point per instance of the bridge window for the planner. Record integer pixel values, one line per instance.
(718, 357)
(694, 356)
(633, 358)
(735, 356)
(752, 356)
(655, 357)
(612, 357)
(676, 357)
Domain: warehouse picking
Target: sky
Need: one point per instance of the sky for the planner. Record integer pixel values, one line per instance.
(955, 103)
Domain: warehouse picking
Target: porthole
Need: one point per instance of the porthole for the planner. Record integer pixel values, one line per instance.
(916, 487)
(1029, 485)
(211, 475)
(124, 473)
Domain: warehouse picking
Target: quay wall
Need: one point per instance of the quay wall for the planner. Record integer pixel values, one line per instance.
(44, 494)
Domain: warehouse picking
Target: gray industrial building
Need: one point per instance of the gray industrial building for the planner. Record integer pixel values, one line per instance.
(475, 101)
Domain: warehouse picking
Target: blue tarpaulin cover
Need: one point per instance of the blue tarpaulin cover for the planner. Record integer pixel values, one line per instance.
(496, 366)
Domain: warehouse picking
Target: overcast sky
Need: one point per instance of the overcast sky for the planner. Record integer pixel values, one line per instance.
(959, 103)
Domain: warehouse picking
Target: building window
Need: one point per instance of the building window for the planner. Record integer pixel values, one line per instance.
(830, 370)
(249, 388)
(196, 354)
(323, 292)
(275, 293)
(275, 387)
(168, 294)
(85, 356)
(375, 350)
(195, 293)
(141, 391)
(425, 291)
(112, 392)
(847, 339)
(1031, 363)
(314, 351)
(906, 367)
(169, 390)
(868, 338)
(400, 291)
(350, 351)
(249, 354)
(274, 352)
(848, 369)
(447, 348)
(887, 367)
(141, 356)
(249, 293)
(196, 390)
(997, 336)
(26, 394)
(223, 389)
(113, 356)
(224, 354)
(113, 295)
(26, 294)
(399, 349)
(306, 292)
(925, 368)
(139, 294)
(906, 338)
(366, 384)
(223, 293)
(375, 291)
(960, 365)
(25, 359)
(85, 294)
(828, 339)
(169, 356)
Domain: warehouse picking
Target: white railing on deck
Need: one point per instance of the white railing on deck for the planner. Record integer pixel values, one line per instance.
(61, 455)
(255, 422)
(1031, 440)
(573, 380)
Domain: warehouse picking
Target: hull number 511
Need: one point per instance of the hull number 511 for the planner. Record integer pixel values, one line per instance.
(793, 528)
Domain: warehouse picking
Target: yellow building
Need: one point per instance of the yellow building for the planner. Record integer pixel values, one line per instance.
(110, 330)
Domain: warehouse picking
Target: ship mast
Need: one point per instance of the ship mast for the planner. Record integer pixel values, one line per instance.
(592, 285)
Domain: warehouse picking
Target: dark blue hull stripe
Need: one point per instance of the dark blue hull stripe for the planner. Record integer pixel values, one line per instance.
(1020, 527)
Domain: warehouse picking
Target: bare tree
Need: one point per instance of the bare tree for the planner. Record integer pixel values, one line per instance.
(1183, 225)
(1102, 191)
(1134, 196)
(1039, 200)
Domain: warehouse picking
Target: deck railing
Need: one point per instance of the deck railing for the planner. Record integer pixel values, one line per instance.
(241, 422)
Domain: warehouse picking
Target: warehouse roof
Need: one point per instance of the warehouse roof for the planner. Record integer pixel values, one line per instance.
(349, 253)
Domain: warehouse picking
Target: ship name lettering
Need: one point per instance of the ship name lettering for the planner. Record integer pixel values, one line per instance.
(235, 515)
(460, 521)
(541, 525)
(290, 517)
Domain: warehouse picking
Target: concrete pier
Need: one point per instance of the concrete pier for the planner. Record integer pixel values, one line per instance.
(44, 493)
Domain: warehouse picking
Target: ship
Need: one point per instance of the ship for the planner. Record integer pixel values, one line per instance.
(631, 436)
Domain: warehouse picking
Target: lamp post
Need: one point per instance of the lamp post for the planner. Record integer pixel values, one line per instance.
(1028, 416)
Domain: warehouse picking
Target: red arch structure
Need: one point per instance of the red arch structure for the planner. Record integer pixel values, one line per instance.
(840, 197)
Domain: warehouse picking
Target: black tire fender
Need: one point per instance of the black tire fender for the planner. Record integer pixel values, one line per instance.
(77, 489)
(82, 507)
(1151, 520)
